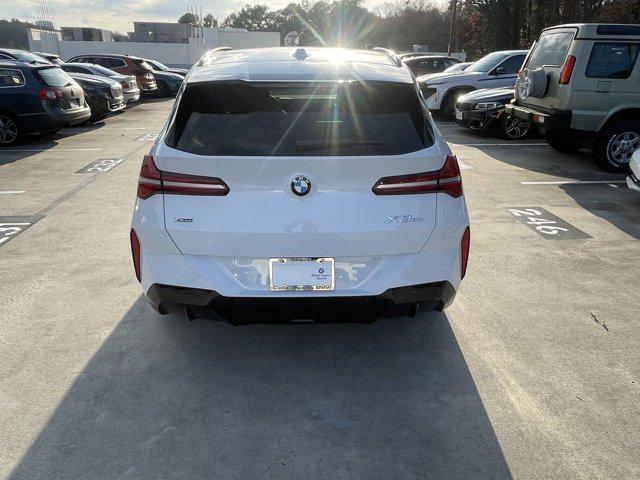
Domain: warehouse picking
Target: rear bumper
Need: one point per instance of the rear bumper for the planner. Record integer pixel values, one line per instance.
(633, 182)
(238, 268)
(53, 120)
(551, 120)
(101, 106)
(131, 96)
(210, 304)
(148, 88)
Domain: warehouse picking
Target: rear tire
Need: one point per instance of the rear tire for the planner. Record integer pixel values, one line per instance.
(10, 130)
(163, 89)
(615, 144)
(565, 143)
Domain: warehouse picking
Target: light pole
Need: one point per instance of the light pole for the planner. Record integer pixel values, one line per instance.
(453, 26)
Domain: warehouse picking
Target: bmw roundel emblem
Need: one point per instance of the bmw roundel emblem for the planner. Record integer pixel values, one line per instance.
(300, 185)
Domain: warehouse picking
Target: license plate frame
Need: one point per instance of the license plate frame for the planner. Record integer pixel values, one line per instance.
(300, 274)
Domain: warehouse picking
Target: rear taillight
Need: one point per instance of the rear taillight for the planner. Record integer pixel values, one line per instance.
(135, 252)
(153, 180)
(124, 84)
(150, 181)
(50, 94)
(446, 180)
(464, 252)
(567, 70)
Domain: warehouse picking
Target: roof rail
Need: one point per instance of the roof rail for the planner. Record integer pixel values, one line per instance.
(206, 58)
(390, 54)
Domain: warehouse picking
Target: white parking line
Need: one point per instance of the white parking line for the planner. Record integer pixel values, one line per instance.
(97, 129)
(11, 192)
(574, 182)
(53, 149)
(498, 144)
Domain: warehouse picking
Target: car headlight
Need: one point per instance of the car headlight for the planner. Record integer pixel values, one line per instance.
(488, 105)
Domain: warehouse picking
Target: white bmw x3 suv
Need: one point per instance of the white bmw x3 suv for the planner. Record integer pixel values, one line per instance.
(304, 183)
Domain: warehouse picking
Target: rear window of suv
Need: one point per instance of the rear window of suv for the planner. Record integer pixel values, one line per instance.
(54, 77)
(612, 60)
(551, 49)
(294, 119)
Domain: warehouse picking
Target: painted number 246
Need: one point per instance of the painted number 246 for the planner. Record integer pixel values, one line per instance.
(534, 217)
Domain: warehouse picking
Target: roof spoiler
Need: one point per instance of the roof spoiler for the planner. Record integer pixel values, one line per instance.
(390, 54)
(207, 58)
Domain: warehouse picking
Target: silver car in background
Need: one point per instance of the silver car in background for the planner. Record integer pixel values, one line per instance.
(130, 89)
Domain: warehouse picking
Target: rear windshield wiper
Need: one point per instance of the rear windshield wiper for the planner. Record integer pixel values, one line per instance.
(307, 145)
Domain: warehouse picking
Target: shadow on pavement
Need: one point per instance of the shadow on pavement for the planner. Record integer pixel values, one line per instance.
(165, 398)
(618, 206)
(34, 144)
(31, 145)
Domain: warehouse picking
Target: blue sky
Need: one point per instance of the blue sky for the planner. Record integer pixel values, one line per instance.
(119, 15)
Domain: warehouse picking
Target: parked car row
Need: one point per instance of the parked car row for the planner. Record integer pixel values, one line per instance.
(578, 82)
(39, 93)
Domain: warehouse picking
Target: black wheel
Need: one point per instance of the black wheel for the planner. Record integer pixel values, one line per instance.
(10, 130)
(565, 142)
(96, 117)
(616, 143)
(447, 109)
(513, 128)
(163, 89)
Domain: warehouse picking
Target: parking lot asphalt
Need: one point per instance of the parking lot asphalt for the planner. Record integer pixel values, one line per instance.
(533, 372)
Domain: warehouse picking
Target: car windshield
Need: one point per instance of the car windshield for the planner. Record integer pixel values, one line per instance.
(487, 63)
(55, 77)
(458, 67)
(29, 57)
(158, 66)
(353, 118)
(105, 71)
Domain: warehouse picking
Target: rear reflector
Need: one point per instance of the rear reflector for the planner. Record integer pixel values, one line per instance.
(538, 118)
(135, 252)
(464, 252)
(153, 180)
(567, 70)
(446, 180)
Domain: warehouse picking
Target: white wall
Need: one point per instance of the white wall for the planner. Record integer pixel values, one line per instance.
(169, 53)
(235, 39)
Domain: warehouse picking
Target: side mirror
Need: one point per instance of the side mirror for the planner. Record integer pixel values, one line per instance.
(499, 71)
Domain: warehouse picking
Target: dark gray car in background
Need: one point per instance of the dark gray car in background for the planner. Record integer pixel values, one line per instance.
(485, 110)
(130, 89)
(103, 95)
(36, 98)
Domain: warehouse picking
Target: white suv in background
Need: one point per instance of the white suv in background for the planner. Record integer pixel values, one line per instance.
(299, 184)
(498, 69)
